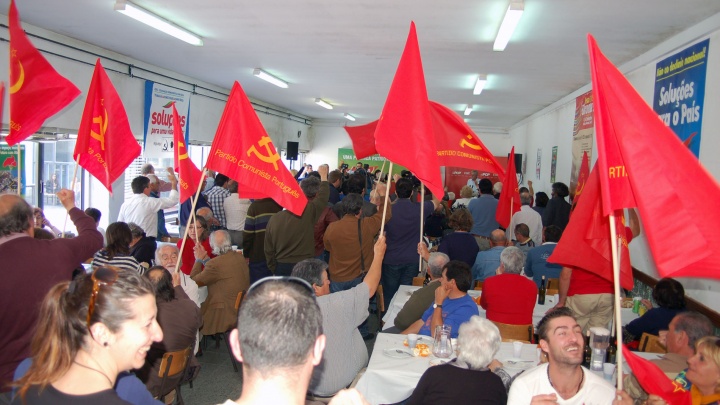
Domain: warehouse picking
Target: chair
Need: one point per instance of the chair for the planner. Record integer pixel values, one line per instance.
(380, 299)
(515, 332)
(418, 281)
(651, 344)
(238, 300)
(478, 285)
(553, 284)
(551, 291)
(173, 365)
(226, 335)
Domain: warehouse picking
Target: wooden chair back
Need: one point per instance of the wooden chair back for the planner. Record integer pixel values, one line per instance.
(380, 295)
(651, 344)
(418, 281)
(238, 300)
(553, 284)
(510, 333)
(171, 365)
(479, 285)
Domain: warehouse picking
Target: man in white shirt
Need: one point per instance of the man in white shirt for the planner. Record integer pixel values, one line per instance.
(529, 217)
(142, 209)
(235, 212)
(473, 183)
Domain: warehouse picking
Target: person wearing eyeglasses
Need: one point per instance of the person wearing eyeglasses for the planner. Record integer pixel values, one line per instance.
(93, 329)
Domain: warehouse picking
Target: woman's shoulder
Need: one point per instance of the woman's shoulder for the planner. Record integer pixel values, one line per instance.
(50, 395)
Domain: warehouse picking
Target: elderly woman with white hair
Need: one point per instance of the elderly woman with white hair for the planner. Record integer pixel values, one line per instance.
(467, 379)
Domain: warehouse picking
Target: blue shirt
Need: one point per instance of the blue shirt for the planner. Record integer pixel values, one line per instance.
(403, 231)
(536, 264)
(486, 262)
(455, 312)
(483, 212)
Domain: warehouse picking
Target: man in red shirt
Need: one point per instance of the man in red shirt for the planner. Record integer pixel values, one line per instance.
(509, 297)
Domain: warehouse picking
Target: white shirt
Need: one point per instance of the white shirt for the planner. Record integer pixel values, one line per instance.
(142, 210)
(595, 390)
(474, 186)
(529, 217)
(235, 211)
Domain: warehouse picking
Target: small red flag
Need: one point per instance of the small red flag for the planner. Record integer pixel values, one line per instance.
(654, 381)
(190, 175)
(583, 175)
(105, 146)
(585, 243)
(243, 151)
(363, 139)
(509, 202)
(666, 177)
(404, 133)
(37, 91)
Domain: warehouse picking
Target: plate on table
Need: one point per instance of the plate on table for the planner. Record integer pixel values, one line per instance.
(515, 363)
(398, 353)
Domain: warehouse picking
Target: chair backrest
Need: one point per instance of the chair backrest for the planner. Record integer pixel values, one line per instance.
(551, 291)
(418, 281)
(651, 344)
(478, 285)
(173, 364)
(515, 332)
(238, 300)
(380, 299)
(553, 284)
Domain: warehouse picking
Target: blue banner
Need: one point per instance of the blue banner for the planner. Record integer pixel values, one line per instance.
(680, 92)
(158, 137)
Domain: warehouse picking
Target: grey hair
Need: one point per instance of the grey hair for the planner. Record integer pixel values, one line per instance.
(310, 270)
(478, 342)
(695, 325)
(147, 168)
(436, 263)
(310, 186)
(513, 259)
(159, 250)
(497, 187)
(220, 242)
(136, 230)
(525, 198)
(153, 178)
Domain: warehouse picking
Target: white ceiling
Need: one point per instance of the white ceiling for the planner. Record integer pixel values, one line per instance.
(346, 52)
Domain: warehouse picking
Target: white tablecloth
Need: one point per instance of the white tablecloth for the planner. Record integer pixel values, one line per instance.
(404, 292)
(388, 380)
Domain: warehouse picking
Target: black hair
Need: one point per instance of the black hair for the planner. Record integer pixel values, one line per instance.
(139, 184)
(460, 272)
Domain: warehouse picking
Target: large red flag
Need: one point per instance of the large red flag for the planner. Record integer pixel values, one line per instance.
(363, 139)
(189, 174)
(666, 178)
(243, 151)
(509, 202)
(654, 381)
(105, 146)
(404, 133)
(37, 91)
(585, 243)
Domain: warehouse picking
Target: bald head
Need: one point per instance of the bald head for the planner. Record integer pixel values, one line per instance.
(16, 215)
(206, 213)
(497, 237)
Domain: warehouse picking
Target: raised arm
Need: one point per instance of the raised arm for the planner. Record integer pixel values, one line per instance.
(372, 279)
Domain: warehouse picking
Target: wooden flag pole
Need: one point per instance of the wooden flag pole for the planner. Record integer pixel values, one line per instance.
(510, 231)
(192, 217)
(19, 162)
(387, 196)
(382, 169)
(616, 279)
(72, 188)
(422, 221)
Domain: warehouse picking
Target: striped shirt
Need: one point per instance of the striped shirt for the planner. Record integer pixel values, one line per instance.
(125, 262)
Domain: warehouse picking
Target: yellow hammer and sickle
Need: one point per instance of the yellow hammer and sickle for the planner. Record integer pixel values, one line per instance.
(184, 155)
(15, 87)
(464, 143)
(102, 124)
(270, 157)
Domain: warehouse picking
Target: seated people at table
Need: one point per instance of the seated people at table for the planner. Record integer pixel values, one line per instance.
(142, 248)
(509, 297)
(522, 238)
(342, 312)
(669, 295)
(117, 251)
(452, 305)
(684, 331)
(562, 379)
(167, 256)
(461, 244)
(467, 379)
(487, 261)
(421, 299)
(536, 264)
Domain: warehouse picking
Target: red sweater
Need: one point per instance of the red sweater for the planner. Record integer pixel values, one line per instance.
(509, 298)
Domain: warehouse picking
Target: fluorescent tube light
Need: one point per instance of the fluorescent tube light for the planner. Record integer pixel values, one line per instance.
(509, 23)
(480, 84)
(349, 117)
(468, 110)
(261, 74)
(146, 17)
(324, 104)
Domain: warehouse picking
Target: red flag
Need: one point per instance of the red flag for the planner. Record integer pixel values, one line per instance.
(509, 202)
(243, 151)
(583, 175)
(654, 381)
(189, 174)
(105, 146)
(404, 132)
(666, 178)
(585, 243)
(37, 91)
(363, 139)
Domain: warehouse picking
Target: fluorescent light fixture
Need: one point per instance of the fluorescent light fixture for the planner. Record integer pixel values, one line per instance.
(146, 17)
(468, 110)
(509, 23)
(480, 84)
(324, 104)
(349, 117)
(259, 73)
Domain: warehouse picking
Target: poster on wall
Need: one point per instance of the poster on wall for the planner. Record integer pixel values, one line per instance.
(375, 162)
(537, 163)
(158, 136)
(680, 93)
(553, 164)
(582, 136)
(9, 168)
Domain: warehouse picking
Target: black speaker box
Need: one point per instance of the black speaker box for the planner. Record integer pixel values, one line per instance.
(292, 150)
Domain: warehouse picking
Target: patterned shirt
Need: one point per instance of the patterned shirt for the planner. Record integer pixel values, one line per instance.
(216, 197)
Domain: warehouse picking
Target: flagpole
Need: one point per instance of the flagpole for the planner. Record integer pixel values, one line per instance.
(192, 217)
(382, 169)
(19, 180)
(422, 220)
(387, 196)
(72, 188)
(616, 279)
(509, 231)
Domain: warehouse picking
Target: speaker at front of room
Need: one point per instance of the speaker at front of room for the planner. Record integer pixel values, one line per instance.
(292, 150)
(518, 162)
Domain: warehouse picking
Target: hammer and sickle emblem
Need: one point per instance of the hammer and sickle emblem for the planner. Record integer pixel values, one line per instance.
(270, 157)
(184, 155)
(464, 143)
(102, 124)
(15, 87)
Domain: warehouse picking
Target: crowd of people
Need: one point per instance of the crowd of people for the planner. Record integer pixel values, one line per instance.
(81, 336)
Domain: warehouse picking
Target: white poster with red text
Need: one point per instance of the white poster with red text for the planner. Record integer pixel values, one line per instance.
(158, 139)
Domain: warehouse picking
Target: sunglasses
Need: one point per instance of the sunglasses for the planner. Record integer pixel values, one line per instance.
(291, 280)
(106, 276)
